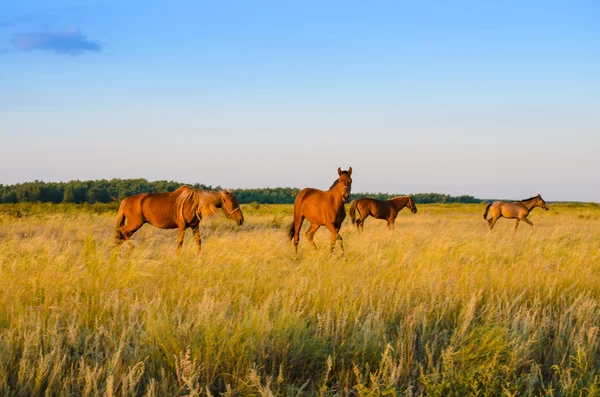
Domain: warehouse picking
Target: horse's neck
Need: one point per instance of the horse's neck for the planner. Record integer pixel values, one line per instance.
(397, 204)
(215, 198)
(336, 194)
(530, 204)
(335, 190)
(204, 201)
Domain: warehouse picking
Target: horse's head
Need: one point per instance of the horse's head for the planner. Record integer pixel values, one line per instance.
(230, 206)
(541, 203)
(411, 205)
(344, 183)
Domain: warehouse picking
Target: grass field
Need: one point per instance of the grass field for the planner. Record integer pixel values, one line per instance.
(437, 307)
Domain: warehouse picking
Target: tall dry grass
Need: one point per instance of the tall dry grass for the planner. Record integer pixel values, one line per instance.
(438, 307)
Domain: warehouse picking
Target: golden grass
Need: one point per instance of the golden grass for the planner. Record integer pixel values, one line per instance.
(438, 306)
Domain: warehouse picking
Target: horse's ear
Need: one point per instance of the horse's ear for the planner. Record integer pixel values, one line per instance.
(224, 193)
(539, 195)
(339, 171)
(350, 171)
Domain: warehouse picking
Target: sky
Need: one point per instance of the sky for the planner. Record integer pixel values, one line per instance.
(490, 99)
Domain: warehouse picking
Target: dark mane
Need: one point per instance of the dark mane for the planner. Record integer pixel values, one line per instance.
(399, 197)
(337, 180)
(530, 198)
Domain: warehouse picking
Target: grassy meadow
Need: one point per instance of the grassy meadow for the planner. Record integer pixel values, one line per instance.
(437, 307)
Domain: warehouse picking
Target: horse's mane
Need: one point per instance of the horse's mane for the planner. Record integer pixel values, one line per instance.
(530, 198)
(338, 180)
(399, 197)
(200, 202)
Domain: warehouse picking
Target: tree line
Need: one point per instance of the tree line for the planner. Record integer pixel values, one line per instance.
(106, 191)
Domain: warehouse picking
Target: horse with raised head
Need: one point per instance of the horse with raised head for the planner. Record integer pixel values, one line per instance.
(379, 209)
(513, 209)
(183, 208)
(322, 208)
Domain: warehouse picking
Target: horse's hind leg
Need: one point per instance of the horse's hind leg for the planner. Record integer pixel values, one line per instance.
(492, 222)
(124, 232)
(298, 219)
(311, 233)
(119, 237)
(196, 231)
(361, 223)
(180, 237)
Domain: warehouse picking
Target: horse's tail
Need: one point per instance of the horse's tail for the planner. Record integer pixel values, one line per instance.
(352, 210)
(292, 230)
(120, 221)
(486, 211)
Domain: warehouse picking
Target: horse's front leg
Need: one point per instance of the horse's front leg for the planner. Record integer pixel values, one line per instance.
(335, 236)
(196, 231)
(180, 236)
(527, 221)
(391, 223)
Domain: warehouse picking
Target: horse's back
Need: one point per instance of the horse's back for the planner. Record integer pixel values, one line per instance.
(376, 208)
(509, 209)
(157, 209)
(309, 197)
(308, 192)
(133, 204)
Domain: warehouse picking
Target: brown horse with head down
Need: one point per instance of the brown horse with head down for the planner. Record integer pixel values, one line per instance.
(183, 208)
(513, 209)
(322, 208)
(379, 209)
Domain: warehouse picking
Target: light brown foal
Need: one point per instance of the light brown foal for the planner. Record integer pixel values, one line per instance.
(513, 210)
(322, 208)
(379, 209)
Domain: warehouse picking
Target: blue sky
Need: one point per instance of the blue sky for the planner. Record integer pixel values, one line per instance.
(492, 99)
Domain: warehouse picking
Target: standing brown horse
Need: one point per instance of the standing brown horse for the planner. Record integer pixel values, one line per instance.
(322, 208)
(513, 209)
(379, 209)
(183, 208)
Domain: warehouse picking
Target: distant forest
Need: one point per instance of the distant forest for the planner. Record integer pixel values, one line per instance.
(106, 191)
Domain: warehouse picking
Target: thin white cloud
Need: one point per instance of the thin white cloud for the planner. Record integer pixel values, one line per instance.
(71, 42)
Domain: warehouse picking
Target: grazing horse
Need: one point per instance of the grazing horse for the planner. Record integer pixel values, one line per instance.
(183, 208)
(513, 209)
(379, 209)
(322, 208)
